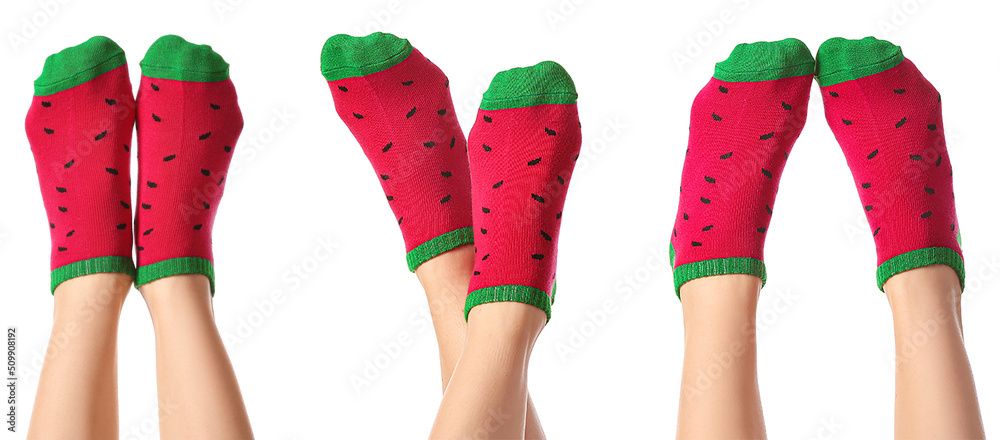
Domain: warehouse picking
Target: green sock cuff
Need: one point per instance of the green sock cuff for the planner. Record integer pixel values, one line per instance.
(437, 246)
(91, 266)
(172, 57)
(766, 61)
(509, 293)
(839, 59)
(544, 83)
(345, 56)
(76, 65)
(920, 258)
(719, 266)
(176, 266)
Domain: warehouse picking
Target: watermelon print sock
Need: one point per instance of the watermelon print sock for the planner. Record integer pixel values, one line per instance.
(523, 148)
(398, 106)
(80, 130)
(188, 121)
(887, 118)
(743, 126)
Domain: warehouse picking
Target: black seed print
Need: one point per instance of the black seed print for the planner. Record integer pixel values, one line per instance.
(357, 116)
(140, 248)
(952, 226)
(869, 207)
(147, 232)
(125, 205)
(487, 118)
(899, 91)
(389, 198)
(476, 272)
(146, 206)
(686, 217)
(486, 210)
(938, 162)
(63, 209)
(49, 131)
(60, 189)
(61, 249)
(387, 147)
(576, 157)
(204, 136)
(213, 106)
(384, 176)
(410, 113)
(846, 122)
(926, 214)
(46, 104)
(169, 158)
(537, 256)
(206, 205)
(121, 226)
(834, 94)
(768, 209)
(485, 257)
(151, 184)
(675, 232)
(726, 156)
(126, 148)
(197, 227)
(70, 233)
(537, 198)
(561, 180)
(429, 144)
(447, 82)
(110, 101)
(723, 89)
(706, 201)
(695, 243)
(915, 157)
(443, 111)
(709, 179)
(483, 230)
(487, 148)
(901, 122)
(873, 154)
(446, 173)
(342, 88)
(707, 228)
(767, 136)
(766, 173)
(785, 105)
(866, 185)
(407, 83)
(497, 185)
(227, 149)
(101, 136)
(156, 118)
(929, 190)
(716, 117)
(549, 131)
(452, 145)
(52, 225)
(446, 198)
(400, 221)
(558, 215)
(534, 162)
(931, 127)
(547, 237)
(69, 164)
(154, 87)
(762, 230)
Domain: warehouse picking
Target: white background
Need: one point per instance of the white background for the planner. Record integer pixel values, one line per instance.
(825, 331)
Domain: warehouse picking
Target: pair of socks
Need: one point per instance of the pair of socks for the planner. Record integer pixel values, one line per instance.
(886, 117)
(79, 126)
(503, 190)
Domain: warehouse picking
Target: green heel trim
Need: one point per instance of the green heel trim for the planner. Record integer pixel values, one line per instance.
(920, 258)
(437, 246)
(766, 61)
(511, 293)
(719, 266)
(172, 57)
(76, 65)
(839, 59)
(176, 266)
(544, 83)
(345, 56)
(91, 266)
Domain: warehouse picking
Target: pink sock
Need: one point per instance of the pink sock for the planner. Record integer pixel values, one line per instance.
(80, 129)
(188, 121)
(398, 106)
(743, 125)
(522, 151)
(887, 118)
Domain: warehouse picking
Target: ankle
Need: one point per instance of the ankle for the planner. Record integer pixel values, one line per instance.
(95, 295)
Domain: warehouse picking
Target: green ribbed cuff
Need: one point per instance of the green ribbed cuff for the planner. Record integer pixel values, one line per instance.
(719, 266)
(91, 266)
(176, 266)
(344, 56)
(437, 246)
(766, 61)
(544, 83)
(78, 64)
(920, 258)
(172, 57)
(839, 59)
(509, 293)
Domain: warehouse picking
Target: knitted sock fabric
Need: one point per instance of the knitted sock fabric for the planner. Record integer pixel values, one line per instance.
(524, 146)
(887, 118)
(80, 129)
(743, 125)
(398, 106)
(188, 121)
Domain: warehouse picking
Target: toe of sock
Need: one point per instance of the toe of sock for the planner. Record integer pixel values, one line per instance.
(840, 59)
(76, 65)
(544, 83)
(345, 56)
(766, 61)
(172, 57)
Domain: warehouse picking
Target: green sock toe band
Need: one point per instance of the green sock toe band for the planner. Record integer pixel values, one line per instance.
(176, 266)
(78, 64)
(437, 246)
(920, 258)
(544, 83)
(719, 266)
(766, 61)
(839, 59)
(510, 293)
(345, 56)
(91, 266)
(172, 57)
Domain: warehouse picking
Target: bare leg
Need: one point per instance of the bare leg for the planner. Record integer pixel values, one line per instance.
(487, 397)
(935, 393)
(78, 388)
(198, 394)
(445, 280)
(719, 394)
